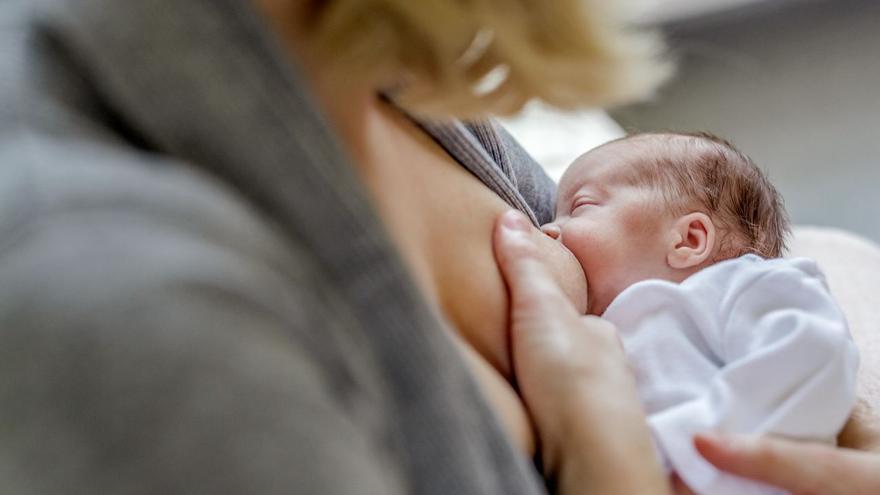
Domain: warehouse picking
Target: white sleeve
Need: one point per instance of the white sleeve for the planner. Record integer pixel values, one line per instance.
(788, 368)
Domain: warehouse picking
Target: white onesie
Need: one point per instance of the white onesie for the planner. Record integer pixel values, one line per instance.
(746, 346)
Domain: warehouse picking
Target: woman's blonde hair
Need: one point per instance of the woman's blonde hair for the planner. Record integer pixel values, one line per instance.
(470, 58)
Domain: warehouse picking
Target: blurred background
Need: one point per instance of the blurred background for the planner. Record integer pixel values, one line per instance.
(793, 83)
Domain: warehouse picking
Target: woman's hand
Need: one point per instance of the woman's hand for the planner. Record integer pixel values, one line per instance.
(798, 467)
(573, 377)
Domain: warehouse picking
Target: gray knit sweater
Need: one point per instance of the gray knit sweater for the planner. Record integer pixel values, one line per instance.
(195, 294)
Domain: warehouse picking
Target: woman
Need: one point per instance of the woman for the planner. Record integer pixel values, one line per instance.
(232, 266)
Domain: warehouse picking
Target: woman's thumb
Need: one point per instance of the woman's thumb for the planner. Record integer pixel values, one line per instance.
(532, 288)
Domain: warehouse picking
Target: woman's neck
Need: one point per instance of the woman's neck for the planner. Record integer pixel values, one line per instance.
(344, 101)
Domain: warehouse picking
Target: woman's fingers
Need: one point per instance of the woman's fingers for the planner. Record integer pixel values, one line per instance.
(794, 466)
(547, 332)
(533, 291)
(542, 320)
(571, 373)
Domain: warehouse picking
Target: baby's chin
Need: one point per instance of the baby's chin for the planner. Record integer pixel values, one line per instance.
(596, 309)
(598, 303)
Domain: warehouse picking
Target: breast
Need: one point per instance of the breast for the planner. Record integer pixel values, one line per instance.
(441, 219)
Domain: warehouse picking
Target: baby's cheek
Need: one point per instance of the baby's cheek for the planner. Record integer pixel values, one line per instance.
(583, 244)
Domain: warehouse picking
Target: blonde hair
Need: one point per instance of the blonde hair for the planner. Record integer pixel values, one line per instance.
(568, 53)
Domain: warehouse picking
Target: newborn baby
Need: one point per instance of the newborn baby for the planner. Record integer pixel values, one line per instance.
(680, 236)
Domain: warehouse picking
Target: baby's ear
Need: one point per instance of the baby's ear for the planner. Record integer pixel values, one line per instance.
(693, 241)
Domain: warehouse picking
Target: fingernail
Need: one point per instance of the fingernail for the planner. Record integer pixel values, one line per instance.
(713, 437)
(515, 220)
(722, 440)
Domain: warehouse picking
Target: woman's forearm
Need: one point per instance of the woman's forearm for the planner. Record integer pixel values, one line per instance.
(606, 448)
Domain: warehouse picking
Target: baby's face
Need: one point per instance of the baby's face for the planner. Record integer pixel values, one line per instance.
(616, 231)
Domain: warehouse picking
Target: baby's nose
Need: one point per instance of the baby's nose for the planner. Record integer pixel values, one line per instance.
(552, 230)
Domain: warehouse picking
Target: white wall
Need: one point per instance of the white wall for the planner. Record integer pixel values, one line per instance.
(556, 138)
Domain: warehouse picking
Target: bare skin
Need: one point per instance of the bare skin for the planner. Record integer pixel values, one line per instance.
(441, 220)
(590, 380)
(439, 216)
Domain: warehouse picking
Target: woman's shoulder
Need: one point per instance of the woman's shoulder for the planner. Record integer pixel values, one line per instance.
(94, 226)
(136, 293)
(49, 183)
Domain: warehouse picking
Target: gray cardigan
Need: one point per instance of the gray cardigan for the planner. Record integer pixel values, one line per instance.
(195, 294)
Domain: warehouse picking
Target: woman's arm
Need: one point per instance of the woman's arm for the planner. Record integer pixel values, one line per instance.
(162, 348)
(852, 267)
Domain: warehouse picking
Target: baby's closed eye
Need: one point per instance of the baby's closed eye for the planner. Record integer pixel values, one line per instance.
(584, 203)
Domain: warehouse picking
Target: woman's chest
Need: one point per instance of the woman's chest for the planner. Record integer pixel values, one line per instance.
(440, 217)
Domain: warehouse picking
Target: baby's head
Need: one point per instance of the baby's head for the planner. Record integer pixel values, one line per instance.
(663, 206)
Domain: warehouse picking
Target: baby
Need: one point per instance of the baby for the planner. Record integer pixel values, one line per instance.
(680, 237)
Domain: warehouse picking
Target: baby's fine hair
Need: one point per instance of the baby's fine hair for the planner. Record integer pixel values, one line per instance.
(703, 171)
